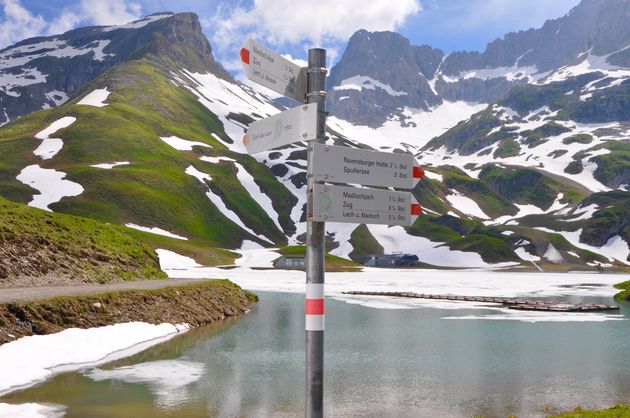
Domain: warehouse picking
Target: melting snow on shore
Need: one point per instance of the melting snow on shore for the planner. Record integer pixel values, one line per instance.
(32, 410)
(471, 282)
(30, 359)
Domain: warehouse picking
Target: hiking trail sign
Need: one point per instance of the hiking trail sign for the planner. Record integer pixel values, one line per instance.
(270, 69)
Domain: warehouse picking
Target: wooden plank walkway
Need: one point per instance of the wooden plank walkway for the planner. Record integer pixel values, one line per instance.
(511, 303)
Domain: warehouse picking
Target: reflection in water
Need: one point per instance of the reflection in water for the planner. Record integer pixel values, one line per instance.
(166, 378)
(379, 363)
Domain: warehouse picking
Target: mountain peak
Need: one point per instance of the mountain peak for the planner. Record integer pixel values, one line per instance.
(44, 72)
(380, 73)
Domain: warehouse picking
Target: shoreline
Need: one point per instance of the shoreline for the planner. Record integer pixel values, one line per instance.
(195, 302)
(106, 326)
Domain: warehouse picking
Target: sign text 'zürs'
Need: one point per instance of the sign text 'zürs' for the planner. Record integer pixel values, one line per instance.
(270, 69)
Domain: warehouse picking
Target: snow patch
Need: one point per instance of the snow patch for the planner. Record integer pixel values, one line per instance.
(202, 177)
(360, 82)
(524, 255)
(170, 260)
(222, 98)
(433, 176)
(182, 144)
(616, 248)
(96, 98)
(109, 166)
(248, 182)
(156, 230)
(421, 125)
(33, 359)
(50, 184)
(216, 160)
(513, 73)
(466, 205)
(396, 240)
(553, 255)
(256, 257)
(32, 410)
(28, 76)
(137, 24)
(57, 97)
(591, 63)
(51, 146)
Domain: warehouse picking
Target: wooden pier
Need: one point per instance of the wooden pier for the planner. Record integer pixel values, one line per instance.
(511, 303)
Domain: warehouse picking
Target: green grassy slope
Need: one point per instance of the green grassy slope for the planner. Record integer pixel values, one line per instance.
(153, 190)
(35, 244)
(530, 186)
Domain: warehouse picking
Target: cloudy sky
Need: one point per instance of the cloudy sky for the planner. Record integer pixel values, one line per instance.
(293, 26)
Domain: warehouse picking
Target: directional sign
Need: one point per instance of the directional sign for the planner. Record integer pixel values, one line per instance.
(371, 168)
(270, 69)
(293, 125)
(367, 206)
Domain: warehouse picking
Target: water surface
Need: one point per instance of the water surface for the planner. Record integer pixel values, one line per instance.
(379, 363)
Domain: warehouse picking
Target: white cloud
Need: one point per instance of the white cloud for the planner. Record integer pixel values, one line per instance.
(110, 12)
(19, 23)
(314, 23)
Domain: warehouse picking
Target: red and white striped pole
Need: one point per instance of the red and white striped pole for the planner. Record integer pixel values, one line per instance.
(314, 306)
(315, 262)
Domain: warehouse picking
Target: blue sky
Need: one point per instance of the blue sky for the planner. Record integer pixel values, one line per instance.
(293, 26)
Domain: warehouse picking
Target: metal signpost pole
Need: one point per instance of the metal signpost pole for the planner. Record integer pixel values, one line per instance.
(314, 406)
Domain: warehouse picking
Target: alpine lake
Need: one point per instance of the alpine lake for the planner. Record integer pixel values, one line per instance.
(420, 362)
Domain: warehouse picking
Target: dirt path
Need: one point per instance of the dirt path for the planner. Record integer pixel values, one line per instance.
(27, 294)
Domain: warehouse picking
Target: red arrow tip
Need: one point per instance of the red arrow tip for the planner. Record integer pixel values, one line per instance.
(245, 55)
(416, 209)
(418, 172)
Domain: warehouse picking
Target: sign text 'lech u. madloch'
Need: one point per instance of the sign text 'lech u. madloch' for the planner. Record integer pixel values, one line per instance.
(370, 168)
(293, 125)
(270, 69)
(369, 206)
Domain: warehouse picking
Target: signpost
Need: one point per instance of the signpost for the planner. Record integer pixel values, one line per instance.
(326, 163)
(293, 125)
(369, 206)
(272, 70)
(371, 168)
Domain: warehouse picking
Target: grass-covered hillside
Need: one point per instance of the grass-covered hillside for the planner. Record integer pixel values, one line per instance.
(38, 247)
(154, 188)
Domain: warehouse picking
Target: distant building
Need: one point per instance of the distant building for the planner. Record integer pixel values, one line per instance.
(390, 260)
(290, 262)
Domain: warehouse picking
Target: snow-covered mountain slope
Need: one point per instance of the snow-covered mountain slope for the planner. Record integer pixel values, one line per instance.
(157, 143)
(382, 80)
(44, 72)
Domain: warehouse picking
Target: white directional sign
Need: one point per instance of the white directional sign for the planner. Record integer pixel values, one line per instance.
(368, 206)
(293, 125)
(270, 69)
(370, 168)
